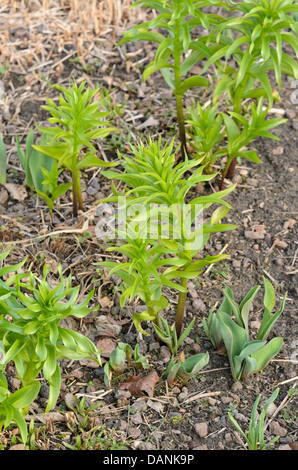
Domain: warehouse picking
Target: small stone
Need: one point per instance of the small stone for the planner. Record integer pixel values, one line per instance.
(271, 409)
(122, 402)
(235, 397)
(122, 394)
(164, 352)
(182, 396)
(136, 419)
(15, 383)
(140, 405)
(228, 437)
(18, 447)
(255, 324)
(136, 444)
(44, 391)
(201, 429)
(236, 264)
(284, 447)
(226, 400)
(156, 405)
(202, 447)
(290, 113)
(240, 417)
(146, 446)
(252, 235)
(237, 179)
(199, 305)
(278, 150)
(155, 346)
(91, 191)
(133, 432)
(121, 425)
(141, 308)
(212, 401)
(252, 182)
(276, 429)
(3, 196)
(236, 386)
(200, 189)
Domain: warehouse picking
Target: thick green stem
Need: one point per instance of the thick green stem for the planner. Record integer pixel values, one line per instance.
(77, 193)
(179, 98)
(230, 172)
(181, 307)
(181, 124)
(225, 171)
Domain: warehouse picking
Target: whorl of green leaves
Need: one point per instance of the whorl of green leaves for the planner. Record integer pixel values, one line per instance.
(258, 47)
(206, 134)
(13, 404)
(34, 339)
(153, 181)
(77, 121)
(176, 19)
(247, 130)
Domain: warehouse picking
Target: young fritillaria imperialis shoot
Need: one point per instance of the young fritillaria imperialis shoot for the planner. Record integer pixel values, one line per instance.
(257, 48)
(246, 356)
(254, 437)
(156, 192)
(240, 135)
(34, 339)
(206, 133)
(178, 48)
(12, 405)
(216, 134)
(77, 121)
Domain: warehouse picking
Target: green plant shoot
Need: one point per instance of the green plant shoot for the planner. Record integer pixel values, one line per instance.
(155, 189)
(77, 121)
(33, 161)
(178, 49)
(254, 438)
(51, 189)
(33, 339)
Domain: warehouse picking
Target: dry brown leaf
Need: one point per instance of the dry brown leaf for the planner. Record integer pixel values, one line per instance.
(150, 122)
(124, 321)
(141, 386)
(53, 416)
